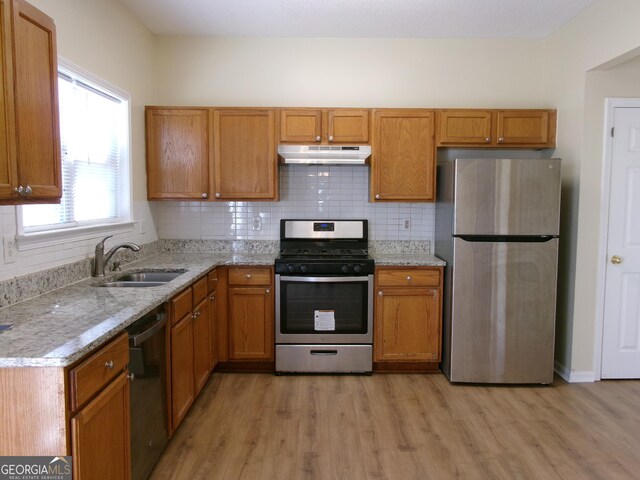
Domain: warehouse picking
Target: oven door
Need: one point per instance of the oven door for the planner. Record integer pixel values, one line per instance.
(324, 309)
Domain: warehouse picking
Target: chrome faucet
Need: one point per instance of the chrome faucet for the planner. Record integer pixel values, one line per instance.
(102, 259)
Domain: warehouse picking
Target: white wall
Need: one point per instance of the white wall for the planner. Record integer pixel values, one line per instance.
(604, 34)
(102, 37)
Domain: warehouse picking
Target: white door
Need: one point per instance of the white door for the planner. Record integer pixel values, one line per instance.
(621, 332)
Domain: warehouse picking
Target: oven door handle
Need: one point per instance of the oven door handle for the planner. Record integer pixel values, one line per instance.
(323, 279)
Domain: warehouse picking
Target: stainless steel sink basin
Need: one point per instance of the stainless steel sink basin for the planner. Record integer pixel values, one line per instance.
(162, 277)
(144, 279)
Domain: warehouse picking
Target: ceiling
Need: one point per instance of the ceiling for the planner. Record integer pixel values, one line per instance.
(357, 18)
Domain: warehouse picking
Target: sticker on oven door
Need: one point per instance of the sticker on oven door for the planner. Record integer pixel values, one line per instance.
(324, 320)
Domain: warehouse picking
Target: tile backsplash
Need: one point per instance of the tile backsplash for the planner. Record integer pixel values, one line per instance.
(305, 192)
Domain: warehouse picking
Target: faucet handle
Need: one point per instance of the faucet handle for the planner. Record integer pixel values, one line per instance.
(101, 242)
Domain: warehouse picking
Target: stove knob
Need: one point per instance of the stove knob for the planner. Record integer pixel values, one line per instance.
(291, 268)
(303, 268)
(345, 268)
(357, 269)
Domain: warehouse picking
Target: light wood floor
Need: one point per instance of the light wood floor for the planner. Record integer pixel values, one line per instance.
(404, 426)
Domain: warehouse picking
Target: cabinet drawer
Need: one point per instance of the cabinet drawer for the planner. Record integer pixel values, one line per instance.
(98, 370)
(249, 276)
(180, 305)
(212, 279)
(200, 290)
(423, 277)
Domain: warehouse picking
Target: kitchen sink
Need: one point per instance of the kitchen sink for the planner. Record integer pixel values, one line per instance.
(151, 278)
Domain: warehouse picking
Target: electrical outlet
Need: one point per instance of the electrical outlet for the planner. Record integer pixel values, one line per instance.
(257, 223)
(9, 249)
(143, 227)
(406, 223)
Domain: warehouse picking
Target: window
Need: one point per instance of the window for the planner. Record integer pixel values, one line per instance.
(94, 131)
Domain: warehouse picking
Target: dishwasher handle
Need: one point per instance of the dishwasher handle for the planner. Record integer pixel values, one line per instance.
(138, 339)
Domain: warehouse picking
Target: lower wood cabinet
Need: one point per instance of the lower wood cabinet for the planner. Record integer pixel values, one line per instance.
(100, 435)
(190, 347)
(408, 314)
(251, 313)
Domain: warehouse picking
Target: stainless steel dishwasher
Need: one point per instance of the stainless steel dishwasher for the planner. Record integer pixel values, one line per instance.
(147, 367)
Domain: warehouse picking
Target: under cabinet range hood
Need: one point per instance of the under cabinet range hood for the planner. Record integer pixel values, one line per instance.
(324, 154)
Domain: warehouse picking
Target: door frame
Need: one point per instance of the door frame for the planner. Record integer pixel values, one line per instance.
(611, 103)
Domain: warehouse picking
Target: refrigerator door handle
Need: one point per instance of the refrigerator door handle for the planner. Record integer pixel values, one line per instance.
(506, 238)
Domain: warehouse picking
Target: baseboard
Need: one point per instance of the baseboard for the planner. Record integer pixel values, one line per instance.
(572, 376)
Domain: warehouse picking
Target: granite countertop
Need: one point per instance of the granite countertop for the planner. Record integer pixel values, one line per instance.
(407, 260)
(60, 327)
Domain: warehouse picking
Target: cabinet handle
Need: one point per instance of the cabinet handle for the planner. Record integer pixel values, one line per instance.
(267, 291)
(488, 139)
(212, 297)
(109, 364)
(204, 195)
(331, 138)
(380, 294)
(131, 376)
(318, 138)
(27, 190)
(408, 278)
(377, 196)
(217, 194)
(501, 140)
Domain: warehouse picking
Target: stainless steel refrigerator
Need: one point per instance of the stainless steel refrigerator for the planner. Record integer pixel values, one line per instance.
(497, 225)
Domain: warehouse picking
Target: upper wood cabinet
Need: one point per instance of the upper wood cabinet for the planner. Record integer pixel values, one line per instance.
(30, 157)
(178, 153)
(309, 125)
(497, 128)
(403, 167)
(245, 159)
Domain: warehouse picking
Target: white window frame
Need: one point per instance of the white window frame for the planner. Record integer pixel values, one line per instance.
(44, 238)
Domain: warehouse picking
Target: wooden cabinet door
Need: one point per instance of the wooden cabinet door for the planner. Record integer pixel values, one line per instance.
(300, 125)
(403, 166)
(251, 335)
(8, 173)
(100, 435)
(201, 345)
(524, 127)
(465, 127)
(347, 126)
(407, 324)
(177, 153)
(36, 103)
(182, 377)
(213, 328)
(245, 160)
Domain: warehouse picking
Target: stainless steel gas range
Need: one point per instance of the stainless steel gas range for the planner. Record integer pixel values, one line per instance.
(324, 297)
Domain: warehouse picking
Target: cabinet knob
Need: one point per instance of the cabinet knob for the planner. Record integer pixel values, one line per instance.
(318, 138)
(248, 275)
(212, 297)
(377, 196)
(27, 190)
(267, 291)
(380, 294)
(488, 139)
(408, 278)
(131, 376)
(204, 195)
(109, 364)
(217, 194)
(616, 260)
(19, 190)
(331, 138)
(501, 140)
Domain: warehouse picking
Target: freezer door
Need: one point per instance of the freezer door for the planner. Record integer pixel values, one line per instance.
(503, 310)
(507, 197)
